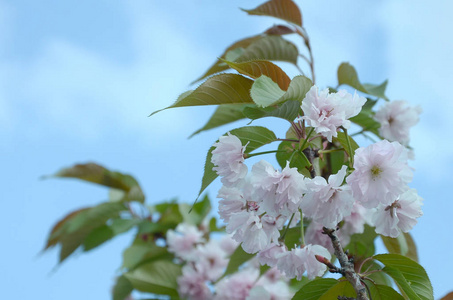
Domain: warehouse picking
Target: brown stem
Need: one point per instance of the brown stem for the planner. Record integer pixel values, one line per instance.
(347, 266)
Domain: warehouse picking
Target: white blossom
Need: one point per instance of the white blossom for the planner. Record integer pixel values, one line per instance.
(183, 239)
(233, 201)
(327, 203)
(269, 255)
(313, 266)
(236, 286)
(381, 173)
(271, 289)
(401, 215)
(228, 245)
(192, 285)
(228, 158)
(396, 119)
(294, 263)
(281, 192)
(326, 112)
(210, 260)
(355, 223)
(253, 231)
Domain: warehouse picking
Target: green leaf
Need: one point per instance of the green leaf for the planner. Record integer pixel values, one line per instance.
(122, 288)
(314, 290)
(348, 75)
(362, 244)
(286, 10)
(170, 213)
(365, 120)
(379, 277)
(377, 90)
(262, 47)
(255, 136)
(158, 277)
(403, 244)
(95, 173)
(342, 288)
(409, 275)
(292, 237)
(383, 292)
(256, 68)
(72, 230)
(341, 138)
(195, 214)
(287, 111)
(218, 89)
(297, 160)
(266, 92)
(106, 232)
(238, 257)
(141, 252)
(57, 230)
(97, 237)
(224, 114)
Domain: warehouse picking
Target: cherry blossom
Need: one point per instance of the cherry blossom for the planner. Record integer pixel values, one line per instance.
(192, 285)
(236, 286)
(183, 239)
(401, 215)
(327, 203)
(396, 119)
(228, 158)
(281, 192)
(326, 112)
(294, 263)
(381, 173)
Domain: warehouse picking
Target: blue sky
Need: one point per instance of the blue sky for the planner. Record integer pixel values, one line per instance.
(79, 78)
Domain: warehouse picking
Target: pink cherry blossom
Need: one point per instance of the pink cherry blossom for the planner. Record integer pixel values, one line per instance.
(401, 215)
(381, 173)
(228, 158)
(210, 260)
(192, 285)
(183, 239)
(294, 263)
(233, 201)
(268, 256)
(355, 223)
(326, 112)
(396, 119)
(236, 286)
(281, 192)
(327, 203)
(254, 231)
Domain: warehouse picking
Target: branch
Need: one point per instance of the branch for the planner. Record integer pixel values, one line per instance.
(347, 266)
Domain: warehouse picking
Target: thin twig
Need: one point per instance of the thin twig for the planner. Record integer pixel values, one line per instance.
(347, 266)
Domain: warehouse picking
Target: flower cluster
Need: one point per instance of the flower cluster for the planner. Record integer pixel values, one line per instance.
(205, 262)
(326, 112)
(258, 207)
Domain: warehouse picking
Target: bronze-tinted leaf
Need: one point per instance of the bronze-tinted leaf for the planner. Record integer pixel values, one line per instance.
(256, 68)
(218, 89)
(283, 9)
(262, 47)
(95, 173)
(279, 30)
